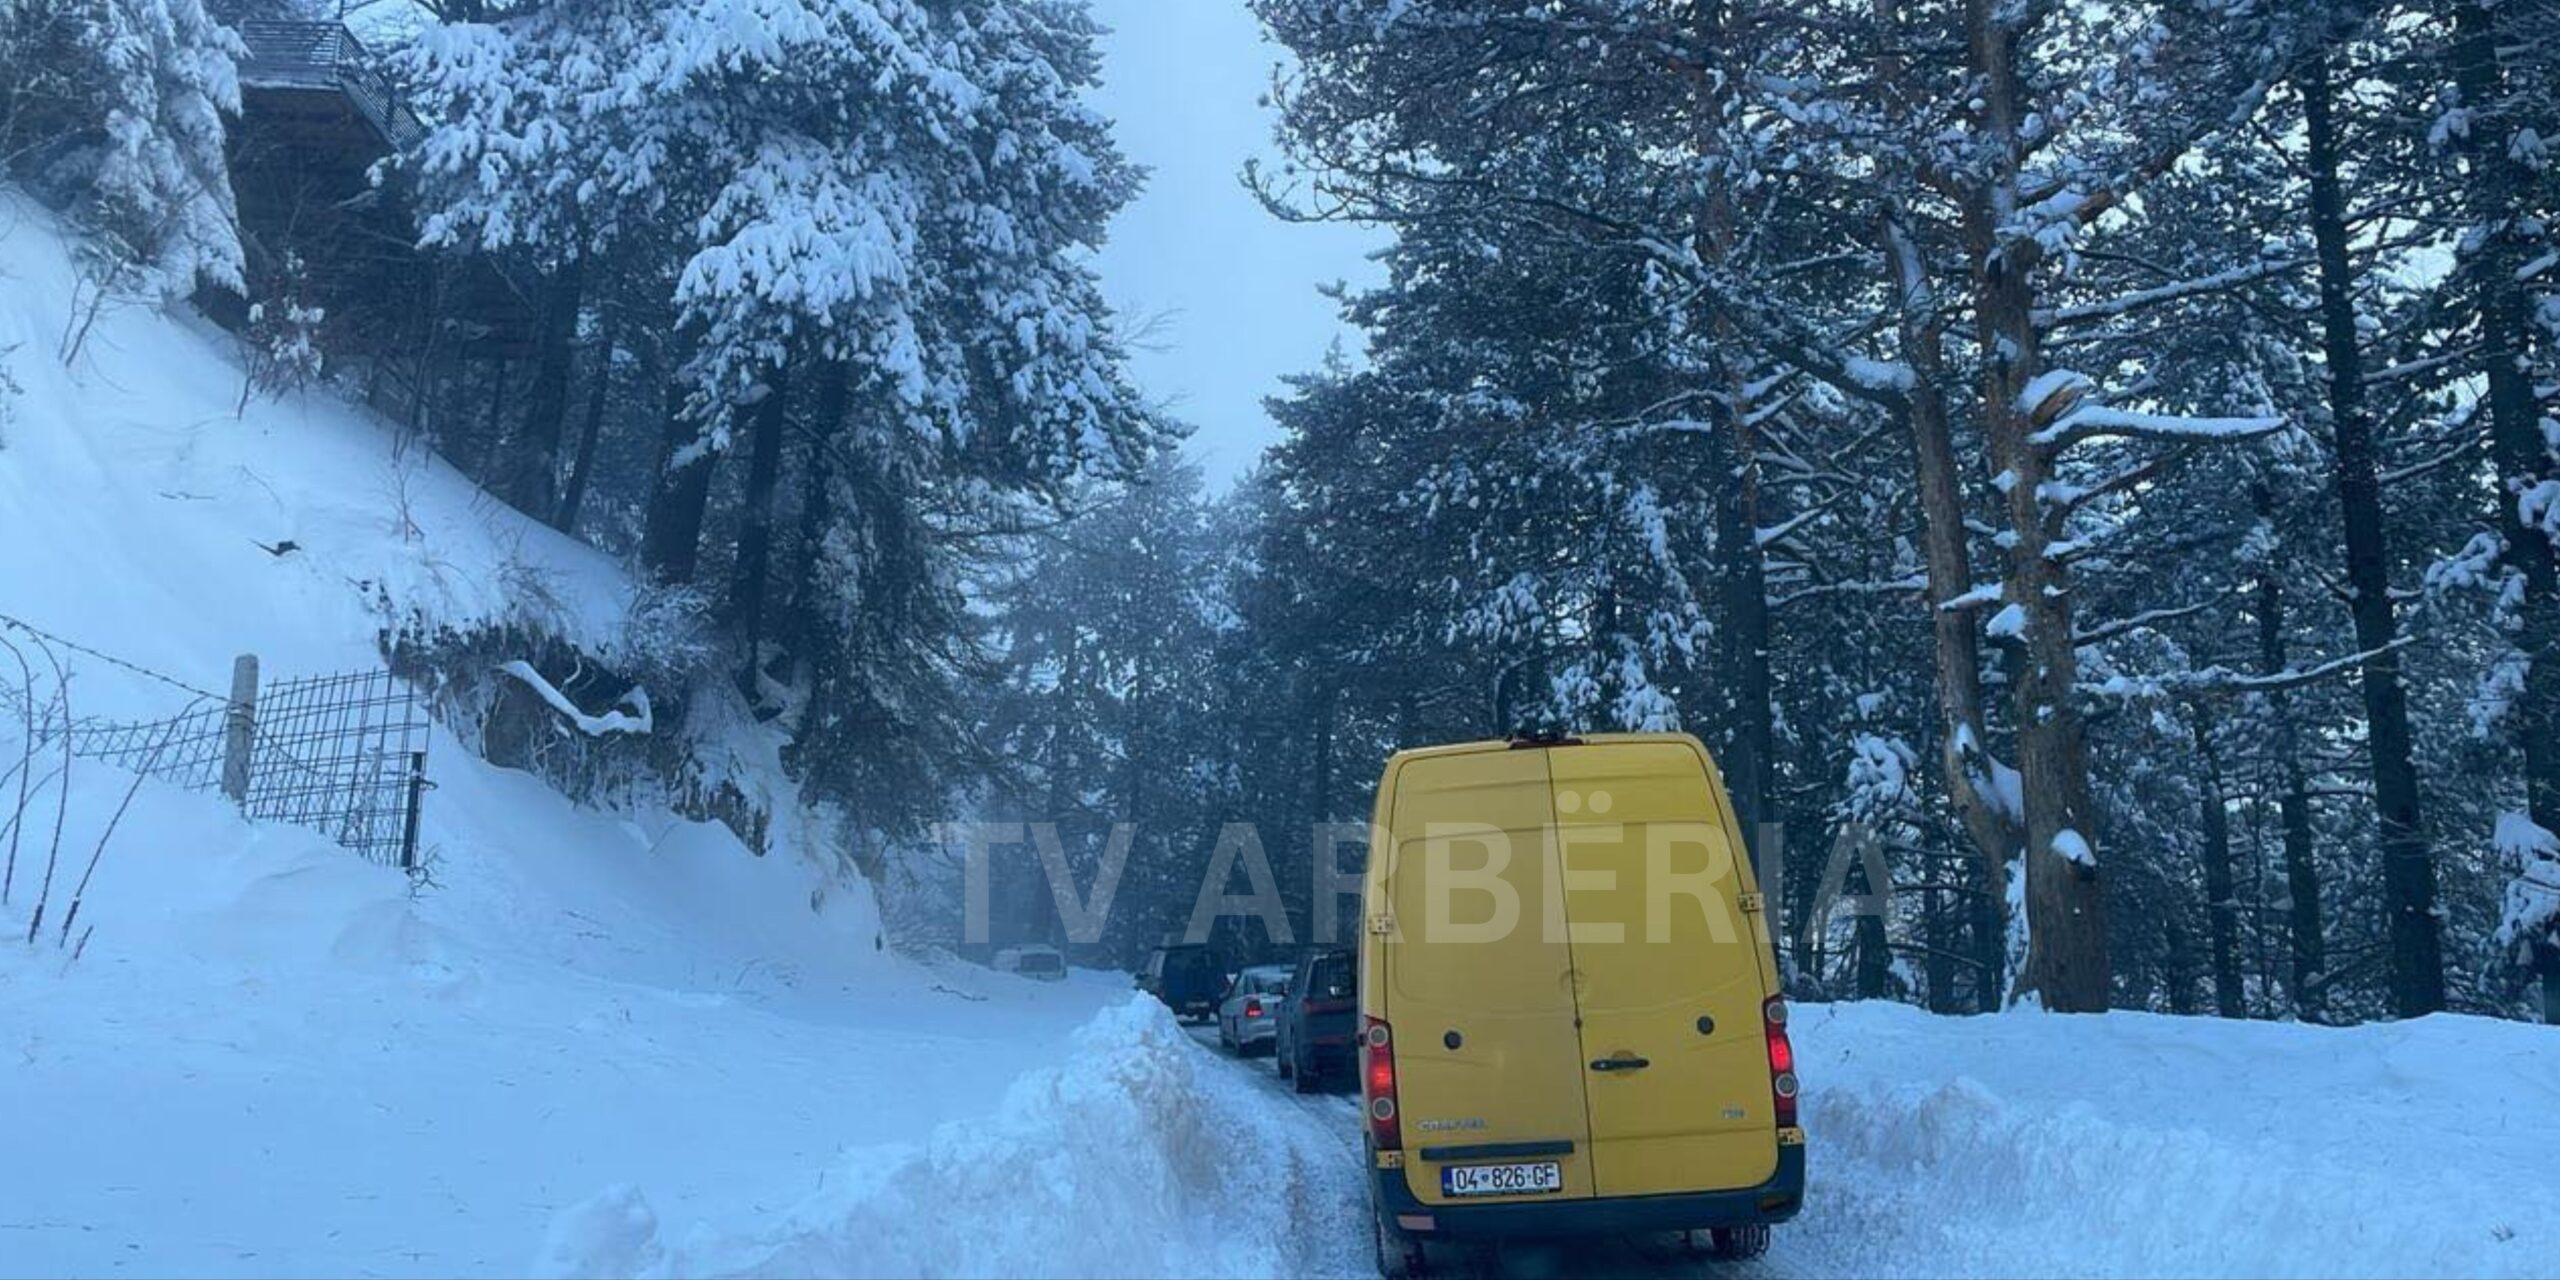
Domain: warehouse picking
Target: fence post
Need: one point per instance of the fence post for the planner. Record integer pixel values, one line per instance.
(409, 827)
(240, 728)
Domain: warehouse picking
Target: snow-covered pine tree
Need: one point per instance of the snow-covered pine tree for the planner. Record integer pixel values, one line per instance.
(875, 219)
(117, 107)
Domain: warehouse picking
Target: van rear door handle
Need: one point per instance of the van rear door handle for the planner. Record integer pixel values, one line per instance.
(1620, 1064)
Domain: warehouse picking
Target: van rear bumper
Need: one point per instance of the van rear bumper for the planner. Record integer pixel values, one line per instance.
(1773, 1201)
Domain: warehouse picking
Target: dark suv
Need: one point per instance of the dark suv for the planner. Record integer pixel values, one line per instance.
(1185, 976)
(1314, 1038)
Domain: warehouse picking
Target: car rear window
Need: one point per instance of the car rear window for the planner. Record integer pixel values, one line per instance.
(1330, 977)
(1043, 962)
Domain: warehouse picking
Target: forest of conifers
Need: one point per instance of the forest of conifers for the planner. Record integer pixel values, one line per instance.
(2110, 450)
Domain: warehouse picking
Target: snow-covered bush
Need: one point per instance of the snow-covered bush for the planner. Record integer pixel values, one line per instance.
(666, 635)
(2529, 919)
(282, 340)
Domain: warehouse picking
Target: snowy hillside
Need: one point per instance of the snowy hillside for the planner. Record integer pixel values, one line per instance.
(141, 498)
(272, 1058)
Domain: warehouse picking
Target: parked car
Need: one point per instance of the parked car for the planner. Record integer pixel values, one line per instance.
(1250, 1014)
(1185, 976)
(1653, 1091)
(1313, 1042)
(1040, 962)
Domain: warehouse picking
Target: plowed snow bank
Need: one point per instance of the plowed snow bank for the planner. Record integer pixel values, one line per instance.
(1141, 1154)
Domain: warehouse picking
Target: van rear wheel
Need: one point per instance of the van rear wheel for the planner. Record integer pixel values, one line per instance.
(1399, 1255)
(1739, 1244)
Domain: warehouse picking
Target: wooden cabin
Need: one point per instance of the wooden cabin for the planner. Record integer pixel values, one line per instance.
(317, 120)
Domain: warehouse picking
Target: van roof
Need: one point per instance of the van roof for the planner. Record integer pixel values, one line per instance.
(1508, 744)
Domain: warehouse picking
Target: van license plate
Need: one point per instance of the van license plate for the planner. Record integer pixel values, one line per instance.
(1501, 1179)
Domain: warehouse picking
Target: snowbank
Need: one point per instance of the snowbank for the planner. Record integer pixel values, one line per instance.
(1142, 1154)
(2021, 1144)
(273, 1060)
(2140, 1145)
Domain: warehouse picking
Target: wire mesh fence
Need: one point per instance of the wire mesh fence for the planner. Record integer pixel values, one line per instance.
(185, 748)
(344, 755)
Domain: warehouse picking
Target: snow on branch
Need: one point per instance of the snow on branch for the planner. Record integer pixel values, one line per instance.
(2091, 312)
(634, 720)
(2139, 621)
(2219, 679)
(1980, 595)
(1773, 533)
(1913, 584)
(2092, 421)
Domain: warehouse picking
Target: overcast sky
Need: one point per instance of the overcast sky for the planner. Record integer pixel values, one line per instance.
(1229, 290)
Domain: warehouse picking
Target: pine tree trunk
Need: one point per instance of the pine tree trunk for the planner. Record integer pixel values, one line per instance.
(2301, 865)
(755, 532)
(1964, 742)
(671, 543)
(573, 497)
(532, 479)
(1938, 967)
(1744, 623)
(2498, 185)
(1874, 971)
(2221, 905)
(2175, 973)
(817, 510)
(2417, 966)
(1750, 764)
(2066, 963)
(1328, 694)
(493, 427)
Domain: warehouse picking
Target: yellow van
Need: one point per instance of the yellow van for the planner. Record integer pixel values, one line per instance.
(1571, 1020)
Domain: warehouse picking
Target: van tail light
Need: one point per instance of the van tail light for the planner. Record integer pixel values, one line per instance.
(1378, 1085)
(1253, 1008)
(1782, 1061)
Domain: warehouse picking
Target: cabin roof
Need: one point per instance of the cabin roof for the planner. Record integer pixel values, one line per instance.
(325, 57)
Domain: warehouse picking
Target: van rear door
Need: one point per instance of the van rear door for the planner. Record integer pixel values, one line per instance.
(1670, 974)
(1488, 1067)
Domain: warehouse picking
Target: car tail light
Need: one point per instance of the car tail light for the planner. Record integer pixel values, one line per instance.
(1378, 1085)
(1253, 1008)
(1782, 1061)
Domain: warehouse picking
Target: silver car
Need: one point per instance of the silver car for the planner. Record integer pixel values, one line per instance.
(1249, 1016)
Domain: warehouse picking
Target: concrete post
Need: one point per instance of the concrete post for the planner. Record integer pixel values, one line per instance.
(240, 728)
